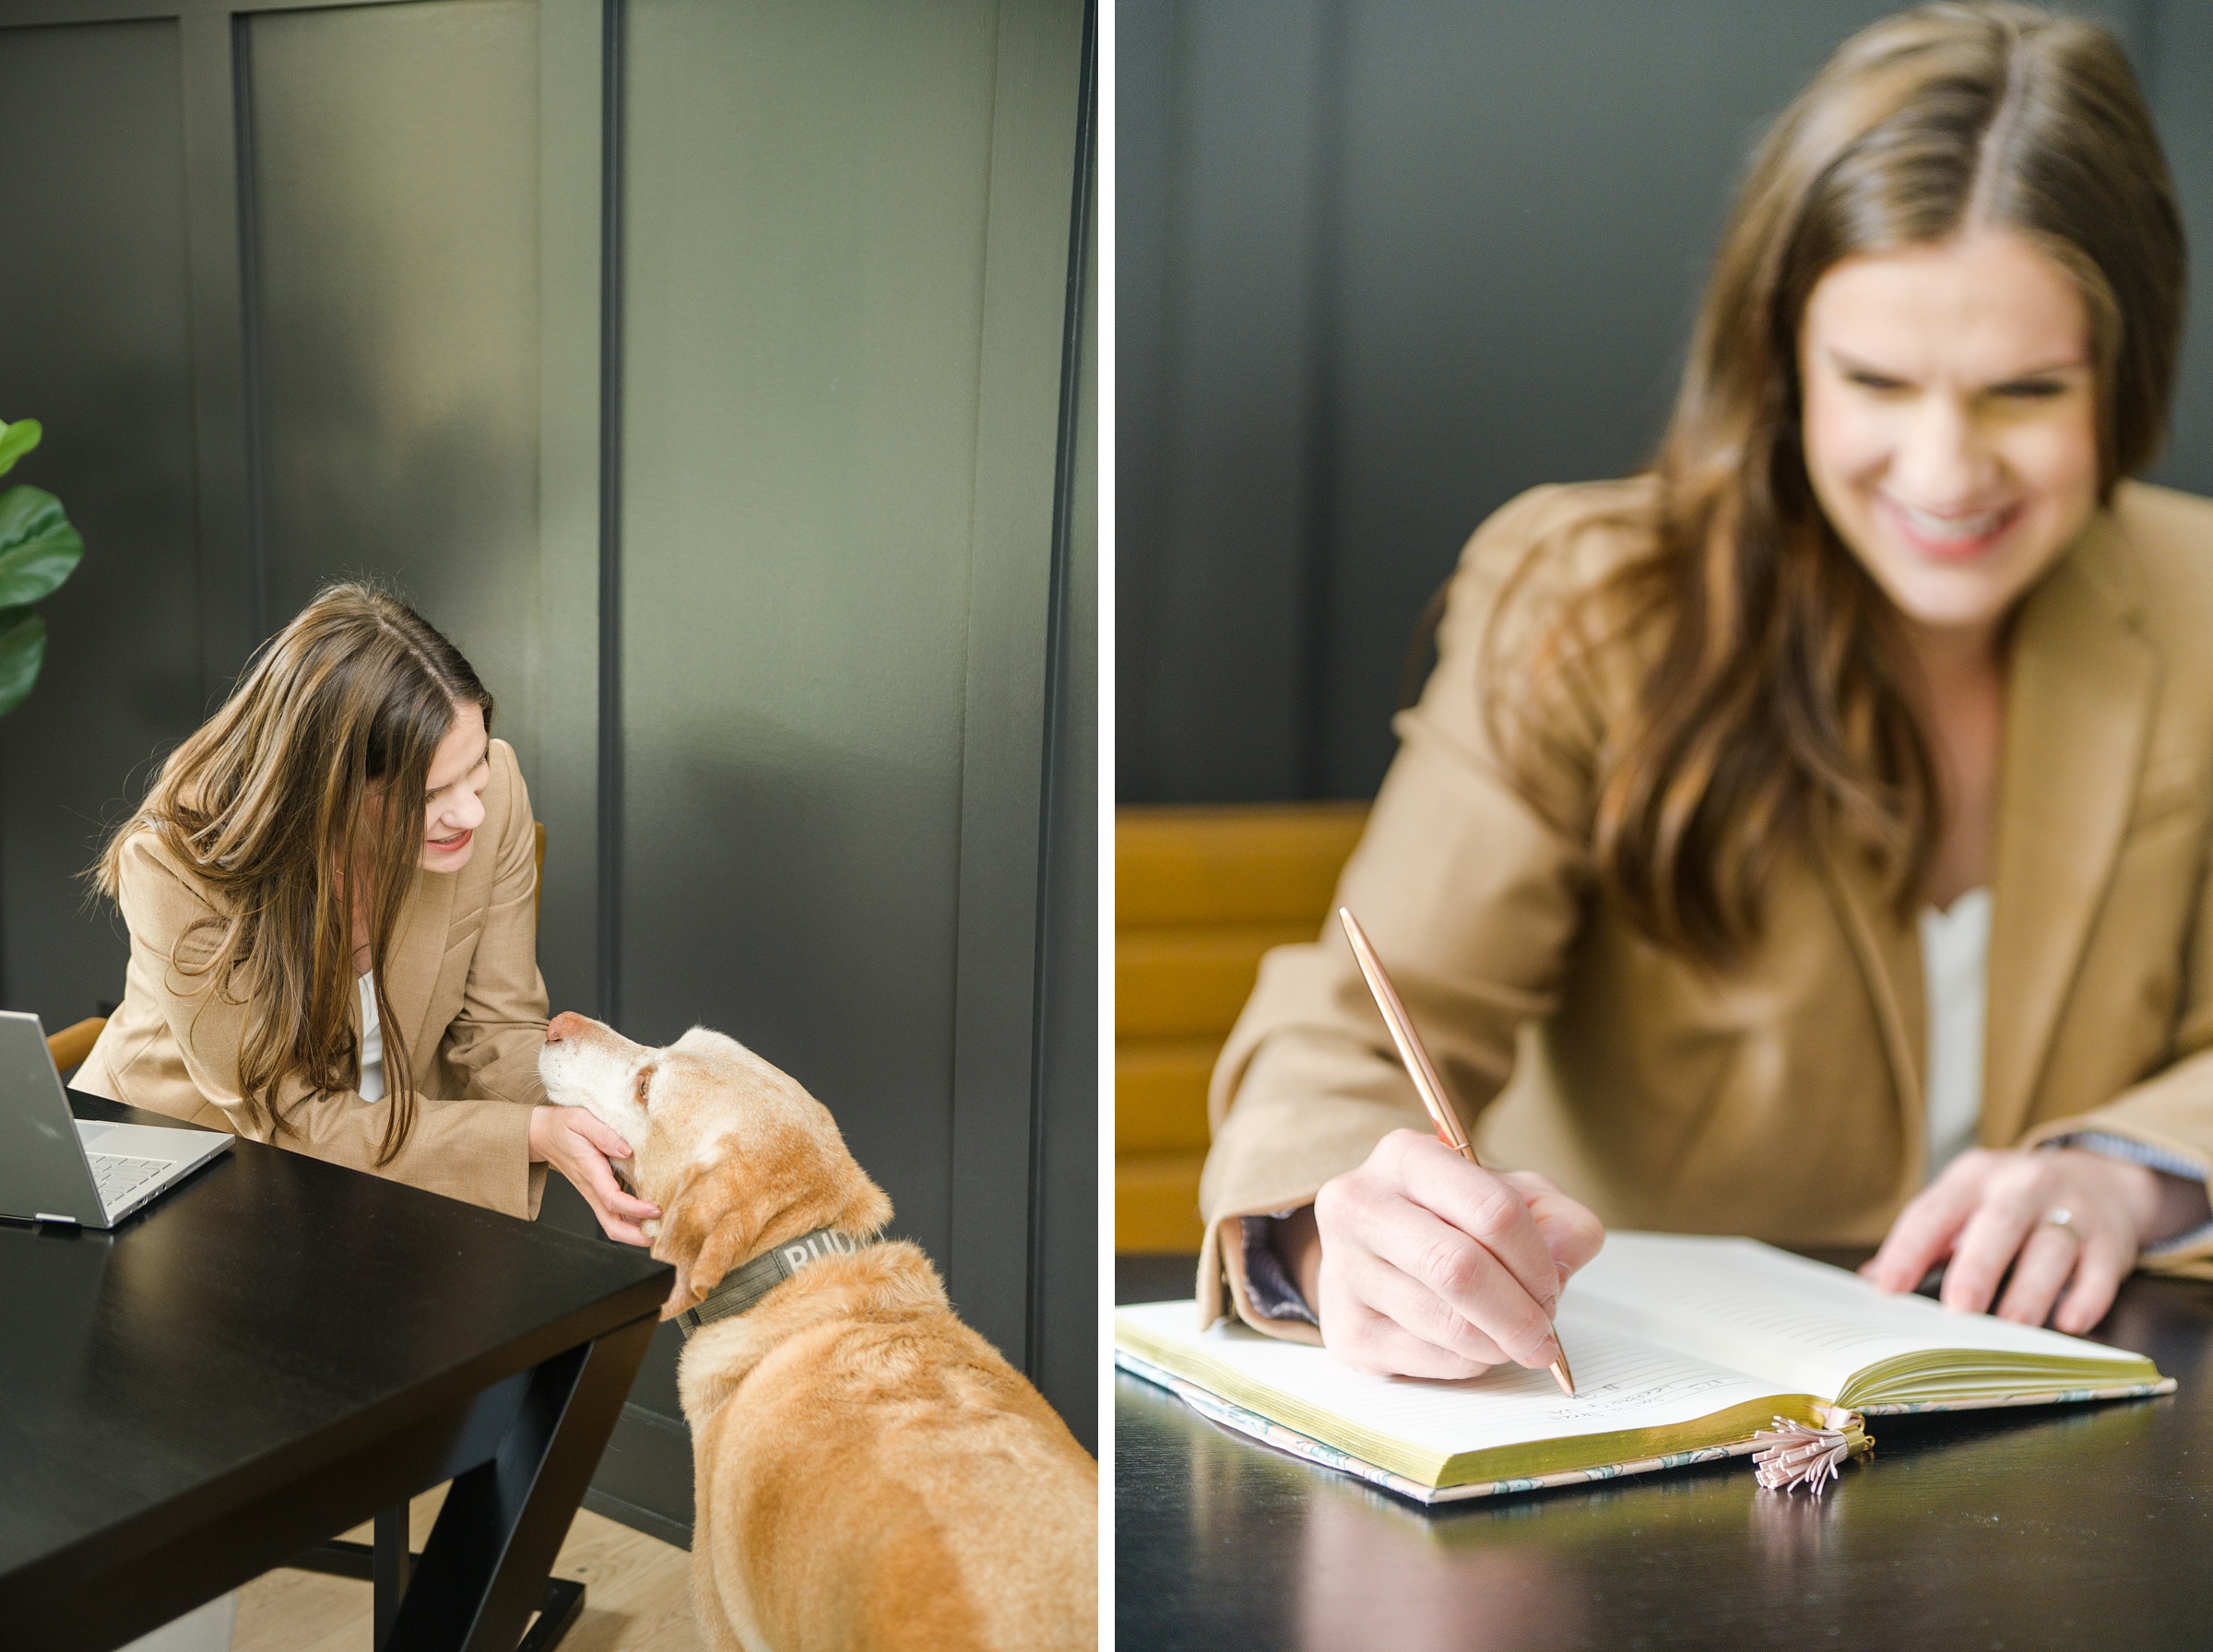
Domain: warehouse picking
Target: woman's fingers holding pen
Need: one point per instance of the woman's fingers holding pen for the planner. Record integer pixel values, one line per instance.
(1479, 1204)
(1570, 1232)
(1358, 1274)
(1403, 1301)
(1368, 1341)
(1443, 1250)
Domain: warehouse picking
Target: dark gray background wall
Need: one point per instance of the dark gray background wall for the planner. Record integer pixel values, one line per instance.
(751, 472)
(1382, 265)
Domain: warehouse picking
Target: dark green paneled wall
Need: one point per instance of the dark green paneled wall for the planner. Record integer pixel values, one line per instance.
(805, 300)
(1383, 265)
(1065, 1193)
(95, 342)
(395, 226)
(321, 292)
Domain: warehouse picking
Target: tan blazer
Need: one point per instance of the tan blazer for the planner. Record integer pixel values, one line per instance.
(463, 985)
(1783, 1100)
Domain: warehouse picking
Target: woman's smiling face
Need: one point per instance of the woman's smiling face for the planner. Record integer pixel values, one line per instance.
(1950, 421)
(460, 770)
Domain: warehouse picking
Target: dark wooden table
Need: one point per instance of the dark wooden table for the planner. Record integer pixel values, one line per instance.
(277, 1350)
(2073, 1527)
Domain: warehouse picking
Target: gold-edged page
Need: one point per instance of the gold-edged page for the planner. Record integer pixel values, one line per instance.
(1634, 1400)
(1804, 1326)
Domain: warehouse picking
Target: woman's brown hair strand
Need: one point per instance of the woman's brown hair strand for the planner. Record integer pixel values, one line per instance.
(1779, 710)
(313, 775)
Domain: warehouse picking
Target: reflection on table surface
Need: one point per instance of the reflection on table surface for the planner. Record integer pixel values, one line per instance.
(2075, 1526)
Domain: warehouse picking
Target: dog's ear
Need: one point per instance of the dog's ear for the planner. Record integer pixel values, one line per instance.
(703, 1234)
(866, 1205)
(680, 1298)
(728, 1245)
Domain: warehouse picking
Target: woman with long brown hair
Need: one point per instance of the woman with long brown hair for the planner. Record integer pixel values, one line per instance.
(331, 892)
(1805, 838)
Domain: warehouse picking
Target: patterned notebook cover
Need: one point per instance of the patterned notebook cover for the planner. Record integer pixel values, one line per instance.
(1216, 1408)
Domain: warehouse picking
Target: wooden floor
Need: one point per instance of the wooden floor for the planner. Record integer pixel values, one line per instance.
(636, 1594)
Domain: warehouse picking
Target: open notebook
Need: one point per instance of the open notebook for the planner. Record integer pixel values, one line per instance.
(1682, 1346)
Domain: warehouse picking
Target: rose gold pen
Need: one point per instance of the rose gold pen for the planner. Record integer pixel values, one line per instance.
(1431, 1088)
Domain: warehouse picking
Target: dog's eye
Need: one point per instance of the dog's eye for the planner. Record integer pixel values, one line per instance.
(645, 1084)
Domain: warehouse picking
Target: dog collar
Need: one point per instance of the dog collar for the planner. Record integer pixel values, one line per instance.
(742, 1287)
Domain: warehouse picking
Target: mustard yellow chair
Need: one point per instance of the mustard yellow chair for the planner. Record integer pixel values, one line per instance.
(73, 1042)
(1200, 894)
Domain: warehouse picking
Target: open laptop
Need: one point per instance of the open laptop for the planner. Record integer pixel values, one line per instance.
(55, 1167)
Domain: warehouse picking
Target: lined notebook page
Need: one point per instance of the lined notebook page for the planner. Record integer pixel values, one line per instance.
(1621, 1383)
(1802, 1325)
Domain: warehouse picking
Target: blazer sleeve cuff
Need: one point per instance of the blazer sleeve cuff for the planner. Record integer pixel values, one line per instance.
(2112, 1133)
(1223, 1264)
(475, 1151)
(1269, 1286)
(520, 1193)
(1272, 1152)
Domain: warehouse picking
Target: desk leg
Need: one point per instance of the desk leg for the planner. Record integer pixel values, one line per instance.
(483, 1571)
(390, 1568)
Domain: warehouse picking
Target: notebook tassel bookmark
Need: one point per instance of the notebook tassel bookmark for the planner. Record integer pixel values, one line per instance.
(1794, 1454)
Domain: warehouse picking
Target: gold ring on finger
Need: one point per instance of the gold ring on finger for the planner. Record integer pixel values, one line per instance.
(2058, 1215)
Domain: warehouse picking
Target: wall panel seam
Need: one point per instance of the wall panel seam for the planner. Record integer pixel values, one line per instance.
(249, 325)
(1058, 665)
(612, 249)
(1318, 538)
(1037, 75)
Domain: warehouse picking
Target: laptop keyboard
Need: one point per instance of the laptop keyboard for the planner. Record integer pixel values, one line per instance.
(118, 1177)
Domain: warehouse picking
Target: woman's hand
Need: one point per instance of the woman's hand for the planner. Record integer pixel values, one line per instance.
(1430, 1266)
(1987, 1211)
(577, 1143)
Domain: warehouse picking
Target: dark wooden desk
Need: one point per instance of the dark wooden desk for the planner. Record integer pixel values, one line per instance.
(279, 1349)
(2080, 1526)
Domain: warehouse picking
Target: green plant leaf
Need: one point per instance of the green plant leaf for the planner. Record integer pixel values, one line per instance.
(22, 652)
(15, 439)
(39, 550)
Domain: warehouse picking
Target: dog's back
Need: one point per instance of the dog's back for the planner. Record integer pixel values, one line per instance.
(873, 1474)
(870, 1473)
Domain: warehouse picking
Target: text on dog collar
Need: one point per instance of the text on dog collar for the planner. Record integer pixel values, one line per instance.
(743, 1286)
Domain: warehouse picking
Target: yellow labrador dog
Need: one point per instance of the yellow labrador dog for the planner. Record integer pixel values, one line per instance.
(870, 1473)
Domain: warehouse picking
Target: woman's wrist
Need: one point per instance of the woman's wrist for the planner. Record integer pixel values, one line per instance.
(1298, 1245)
(539, 1155)
(2182, 1207)
(2162, 1206)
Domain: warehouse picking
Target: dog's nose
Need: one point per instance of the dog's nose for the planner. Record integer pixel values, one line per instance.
(563, 1025)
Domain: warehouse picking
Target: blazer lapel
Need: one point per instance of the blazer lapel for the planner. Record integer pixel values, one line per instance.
(2078, 705)
(417, 950)
(1889, 959)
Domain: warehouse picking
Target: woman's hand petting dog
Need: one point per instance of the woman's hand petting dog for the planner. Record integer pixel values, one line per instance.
(574, 1141)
